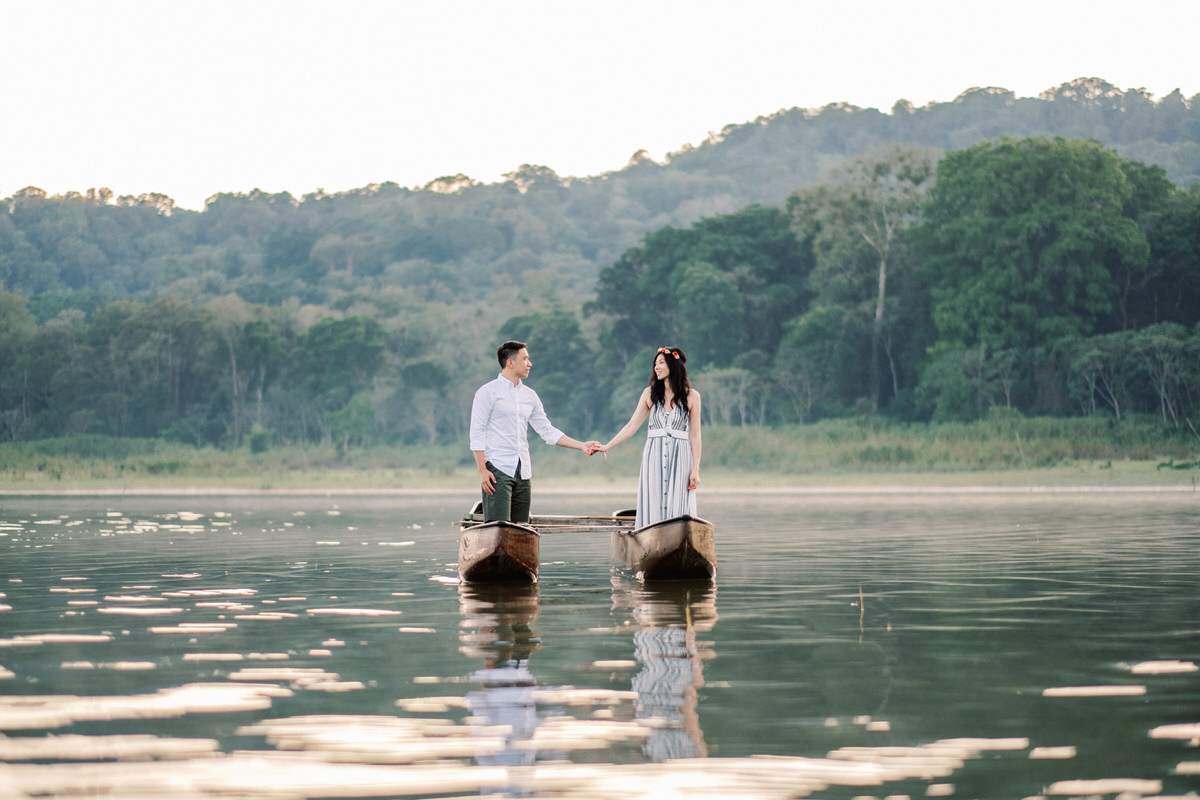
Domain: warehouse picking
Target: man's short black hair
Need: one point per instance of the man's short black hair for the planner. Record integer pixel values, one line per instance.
(508, 350)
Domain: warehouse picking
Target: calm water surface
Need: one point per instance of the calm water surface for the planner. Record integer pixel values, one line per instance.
(962, 645)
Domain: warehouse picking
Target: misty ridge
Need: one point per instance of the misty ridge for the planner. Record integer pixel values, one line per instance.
(537, 225)
(359, 316)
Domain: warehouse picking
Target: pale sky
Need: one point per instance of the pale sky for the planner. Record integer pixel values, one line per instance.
(194, 98)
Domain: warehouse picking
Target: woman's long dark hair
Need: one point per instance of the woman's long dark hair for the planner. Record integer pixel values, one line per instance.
(676, 374)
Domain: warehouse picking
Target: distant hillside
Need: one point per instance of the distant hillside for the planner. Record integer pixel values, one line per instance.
(457, 240)
(770, 157)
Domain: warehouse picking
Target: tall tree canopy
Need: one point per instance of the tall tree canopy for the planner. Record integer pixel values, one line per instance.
(362, 312)
(727, 284)
(856, 218)
(560, 357)
(1022, 239)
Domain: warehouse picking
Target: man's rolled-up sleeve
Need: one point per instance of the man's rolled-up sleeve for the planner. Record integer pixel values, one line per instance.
(541, 423)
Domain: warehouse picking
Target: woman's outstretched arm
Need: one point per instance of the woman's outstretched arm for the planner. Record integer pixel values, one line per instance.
(639, 413)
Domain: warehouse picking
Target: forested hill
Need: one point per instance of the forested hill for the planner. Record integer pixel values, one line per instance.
(1038, 255)
(455, 240)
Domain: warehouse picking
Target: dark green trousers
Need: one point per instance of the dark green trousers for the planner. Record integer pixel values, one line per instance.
(511, 499)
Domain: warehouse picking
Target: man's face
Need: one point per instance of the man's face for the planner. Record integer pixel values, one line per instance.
(521, 363)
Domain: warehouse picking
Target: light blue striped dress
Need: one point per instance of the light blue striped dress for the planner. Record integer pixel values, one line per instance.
(666, 464)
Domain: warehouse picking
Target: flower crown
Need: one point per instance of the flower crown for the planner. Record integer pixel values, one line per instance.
(669, 352)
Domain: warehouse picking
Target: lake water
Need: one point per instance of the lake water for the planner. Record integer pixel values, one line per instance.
(970, 644)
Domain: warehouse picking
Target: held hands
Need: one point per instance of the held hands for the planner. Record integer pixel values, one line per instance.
(592, 447)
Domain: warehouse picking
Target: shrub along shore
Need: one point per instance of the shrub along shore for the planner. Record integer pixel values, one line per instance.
(1002, 451)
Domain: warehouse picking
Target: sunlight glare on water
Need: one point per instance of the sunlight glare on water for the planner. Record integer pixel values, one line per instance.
(1004, 645)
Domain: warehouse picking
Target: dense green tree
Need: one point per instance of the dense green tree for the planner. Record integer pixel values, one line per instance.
(20, 261)
(152, 371)
(1019, 240)
(1170, 291)
(260, 353)
(17, 330)
(810, 364)
(353, 423)
(288, 256)
(965, 383)
(725, 285)
(561, 359)
(710, 312)
(1101, 368)
(249, 217)
(856, 218)
(228, 322)
(337, 358)
(1149, 202)
(61, 374)
(1166, 354)
(419, 406)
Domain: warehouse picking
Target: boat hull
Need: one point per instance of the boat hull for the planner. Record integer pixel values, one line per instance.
(498, 551)
(681, 548)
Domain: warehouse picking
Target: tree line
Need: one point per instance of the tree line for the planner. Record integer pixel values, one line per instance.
(1042, 275)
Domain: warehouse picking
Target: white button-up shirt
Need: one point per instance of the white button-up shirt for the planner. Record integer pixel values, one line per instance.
(500, 418)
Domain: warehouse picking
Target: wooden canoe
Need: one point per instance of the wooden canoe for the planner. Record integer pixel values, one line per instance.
(681, 548)
(498, 551)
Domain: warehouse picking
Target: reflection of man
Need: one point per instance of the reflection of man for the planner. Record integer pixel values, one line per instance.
(506, 700)
(501, 415)
(497, 621)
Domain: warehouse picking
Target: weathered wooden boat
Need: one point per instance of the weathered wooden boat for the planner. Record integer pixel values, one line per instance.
(507, 551)
(681, 548)
(498, 551)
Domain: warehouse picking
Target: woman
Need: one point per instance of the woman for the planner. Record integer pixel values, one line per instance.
(671, 458)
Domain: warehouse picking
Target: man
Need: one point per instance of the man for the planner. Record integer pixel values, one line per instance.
(501, 415)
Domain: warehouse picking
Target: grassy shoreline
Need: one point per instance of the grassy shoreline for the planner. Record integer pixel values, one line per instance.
(1003, 453)
(744, 485)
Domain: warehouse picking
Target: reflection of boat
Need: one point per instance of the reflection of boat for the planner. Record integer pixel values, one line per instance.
(686, 604)
(498, 551)
(681, 548)
(670, 660)
(496, 621)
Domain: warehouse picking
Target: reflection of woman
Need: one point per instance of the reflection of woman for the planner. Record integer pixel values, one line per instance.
(671, 457)
(666, 684)
(670, 661)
